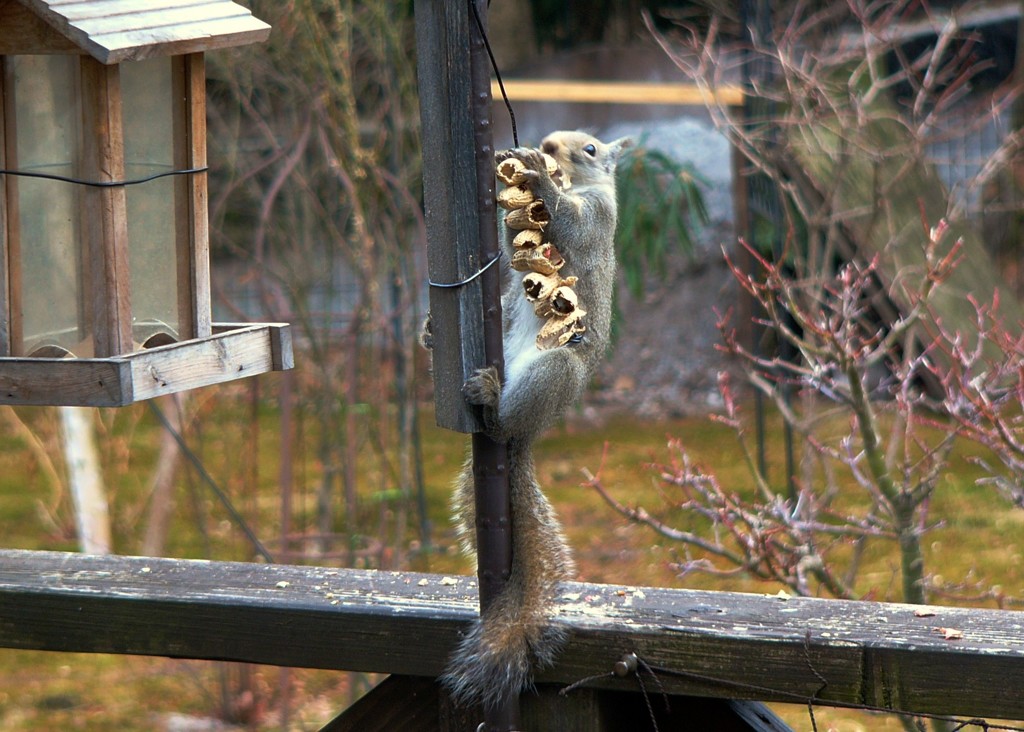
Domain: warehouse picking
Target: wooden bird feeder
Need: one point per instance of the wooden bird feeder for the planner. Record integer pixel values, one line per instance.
(104, 242)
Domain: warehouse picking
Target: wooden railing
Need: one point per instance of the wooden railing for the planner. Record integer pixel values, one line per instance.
(715, 645)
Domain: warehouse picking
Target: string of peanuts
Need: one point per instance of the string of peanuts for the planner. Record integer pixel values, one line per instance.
(552, 296)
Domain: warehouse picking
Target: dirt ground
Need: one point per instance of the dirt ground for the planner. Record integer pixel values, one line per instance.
(665, 363)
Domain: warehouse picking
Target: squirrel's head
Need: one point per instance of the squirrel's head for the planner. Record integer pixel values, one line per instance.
(584, 158)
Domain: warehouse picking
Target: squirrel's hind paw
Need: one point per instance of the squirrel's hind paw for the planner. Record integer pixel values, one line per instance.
(483, 388)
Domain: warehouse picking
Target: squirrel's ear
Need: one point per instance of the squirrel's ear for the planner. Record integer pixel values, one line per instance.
(616, 147)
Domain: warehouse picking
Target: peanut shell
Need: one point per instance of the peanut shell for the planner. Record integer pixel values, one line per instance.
(528, 238)
(559, 331)
(544, 259)
(511, 171)
(514, 197)
(539, 286)
(533, 215)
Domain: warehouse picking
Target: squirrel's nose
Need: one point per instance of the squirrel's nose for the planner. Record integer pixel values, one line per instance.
(549, 147)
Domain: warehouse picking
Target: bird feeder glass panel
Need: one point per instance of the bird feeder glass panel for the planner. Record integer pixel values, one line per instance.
(149, 150)
(52, 294)
(47, 290)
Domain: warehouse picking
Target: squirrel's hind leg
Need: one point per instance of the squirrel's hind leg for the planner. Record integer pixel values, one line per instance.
(483, 389)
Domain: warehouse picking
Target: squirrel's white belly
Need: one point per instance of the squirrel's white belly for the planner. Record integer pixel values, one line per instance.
(520, 342)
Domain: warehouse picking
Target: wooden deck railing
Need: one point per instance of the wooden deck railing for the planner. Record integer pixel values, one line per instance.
(942, 660)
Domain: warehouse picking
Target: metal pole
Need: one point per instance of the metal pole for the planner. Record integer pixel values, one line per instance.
(490, 458)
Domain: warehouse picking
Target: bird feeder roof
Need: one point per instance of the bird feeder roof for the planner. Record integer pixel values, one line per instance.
(112, 31)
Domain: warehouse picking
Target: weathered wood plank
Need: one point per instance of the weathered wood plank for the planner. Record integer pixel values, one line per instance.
(450, 205)
(142, 19)
(887, 655)
(417, 704)
(409, 703)
(202, 362)
(233, 353)
(139, 45)
(90, 382)
(113, 31)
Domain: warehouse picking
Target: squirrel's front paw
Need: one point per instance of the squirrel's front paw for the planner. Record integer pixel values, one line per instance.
(533, 159)
(483, 388)
(427, 333)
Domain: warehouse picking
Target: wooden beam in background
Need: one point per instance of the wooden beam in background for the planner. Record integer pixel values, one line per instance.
(615, 92)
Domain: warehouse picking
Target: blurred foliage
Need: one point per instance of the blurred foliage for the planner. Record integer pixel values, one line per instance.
(660, 208)
(315, 200)
(568, 24)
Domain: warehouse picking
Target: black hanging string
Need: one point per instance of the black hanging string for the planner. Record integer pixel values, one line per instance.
(822, 679)
(657, 680)
(497, 73)
(460, 283)
(102, 183)
(647, 701)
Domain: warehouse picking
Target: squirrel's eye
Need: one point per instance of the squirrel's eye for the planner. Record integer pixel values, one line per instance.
(590, 150)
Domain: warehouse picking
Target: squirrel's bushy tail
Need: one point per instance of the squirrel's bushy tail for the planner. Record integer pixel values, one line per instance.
(514, 636)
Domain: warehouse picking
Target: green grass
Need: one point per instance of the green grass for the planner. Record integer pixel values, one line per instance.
(980, 536)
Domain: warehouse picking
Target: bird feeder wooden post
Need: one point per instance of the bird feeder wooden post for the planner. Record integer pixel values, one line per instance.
(104, 242)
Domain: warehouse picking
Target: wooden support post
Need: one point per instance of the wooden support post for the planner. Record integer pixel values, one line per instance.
(191, 216)
(449, 194)
(107, 223)
(9, 225)
(465, 294)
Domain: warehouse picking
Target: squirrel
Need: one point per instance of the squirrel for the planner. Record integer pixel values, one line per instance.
(514, 636)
